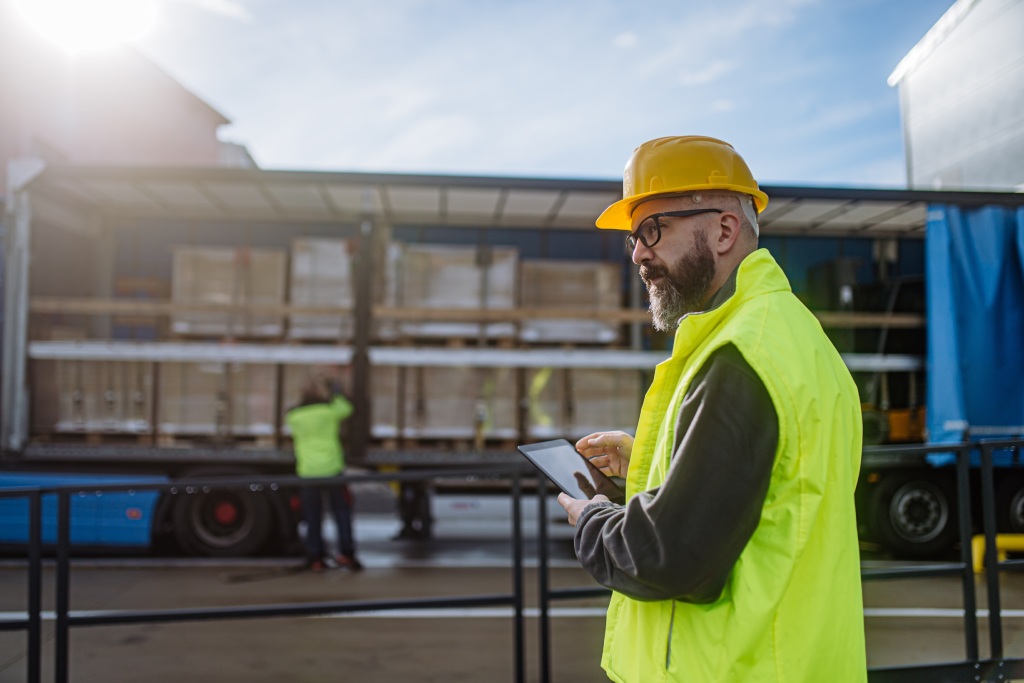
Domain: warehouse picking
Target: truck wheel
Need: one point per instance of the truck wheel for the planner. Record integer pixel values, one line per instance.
(914, 515)
(222, 523)
(1010, 505)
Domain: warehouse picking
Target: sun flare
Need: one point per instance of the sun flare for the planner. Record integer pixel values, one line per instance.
(79, 26)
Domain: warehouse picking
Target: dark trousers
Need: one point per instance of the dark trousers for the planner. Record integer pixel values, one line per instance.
(313, 513)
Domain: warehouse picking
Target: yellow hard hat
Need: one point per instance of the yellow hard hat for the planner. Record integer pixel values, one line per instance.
(688, 163)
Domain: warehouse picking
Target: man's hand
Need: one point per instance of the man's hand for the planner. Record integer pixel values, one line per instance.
(607, 451)
(574, 506)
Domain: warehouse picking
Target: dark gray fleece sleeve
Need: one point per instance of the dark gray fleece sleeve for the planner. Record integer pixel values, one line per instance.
(681, 540)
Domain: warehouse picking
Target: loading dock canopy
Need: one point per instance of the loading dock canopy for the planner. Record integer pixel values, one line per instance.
(74, 196)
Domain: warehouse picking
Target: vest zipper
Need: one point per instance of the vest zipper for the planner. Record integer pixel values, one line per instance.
(668, 645)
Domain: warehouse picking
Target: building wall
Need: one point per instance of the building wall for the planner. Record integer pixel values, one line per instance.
(962, 101)
(112, 106)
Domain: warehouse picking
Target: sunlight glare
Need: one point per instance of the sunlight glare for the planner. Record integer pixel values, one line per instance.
(79, 25)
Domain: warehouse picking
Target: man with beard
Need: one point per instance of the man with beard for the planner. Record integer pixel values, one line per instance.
(735, 556)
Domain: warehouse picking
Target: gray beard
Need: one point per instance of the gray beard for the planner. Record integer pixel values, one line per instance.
(684, 287)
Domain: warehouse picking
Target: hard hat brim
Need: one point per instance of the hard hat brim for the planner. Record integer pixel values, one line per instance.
(619, 216)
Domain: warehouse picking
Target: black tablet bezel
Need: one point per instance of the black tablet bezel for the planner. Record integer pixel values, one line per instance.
(564, 450)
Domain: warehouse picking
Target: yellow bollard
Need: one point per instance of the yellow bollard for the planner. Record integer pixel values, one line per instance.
(1004, 543)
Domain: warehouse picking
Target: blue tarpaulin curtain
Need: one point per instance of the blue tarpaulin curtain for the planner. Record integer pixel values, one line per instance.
(975, 306)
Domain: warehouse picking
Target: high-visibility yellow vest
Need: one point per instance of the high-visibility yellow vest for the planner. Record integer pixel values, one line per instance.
(318, 450)
(792, 609)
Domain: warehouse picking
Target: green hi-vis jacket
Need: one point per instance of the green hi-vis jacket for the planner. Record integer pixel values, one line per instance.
(792, 609)
(318, 451)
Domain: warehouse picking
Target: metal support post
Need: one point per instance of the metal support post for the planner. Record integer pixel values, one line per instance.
(35, 587)
(14, 417)
(364, 263)
(542, 579)
(963, 490)
(988, 509)
(517, 576)
(61, 636)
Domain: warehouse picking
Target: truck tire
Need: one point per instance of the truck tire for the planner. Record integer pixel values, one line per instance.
(914, 514)
(222, 522)
(1010, 505)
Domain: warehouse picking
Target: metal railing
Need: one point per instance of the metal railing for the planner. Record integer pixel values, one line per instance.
(996, 667)
(66, 619)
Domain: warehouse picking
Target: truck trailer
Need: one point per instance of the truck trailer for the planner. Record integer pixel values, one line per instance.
(158, 321)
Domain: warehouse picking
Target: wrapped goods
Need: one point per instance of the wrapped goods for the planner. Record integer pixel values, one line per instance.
(228, 277)
(211, 399)
(574, 402)
(92, 396)
(321, 276)
(432, 276)
(443, 403)
(581, 286)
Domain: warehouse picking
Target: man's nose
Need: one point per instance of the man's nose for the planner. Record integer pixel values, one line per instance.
(641, 253)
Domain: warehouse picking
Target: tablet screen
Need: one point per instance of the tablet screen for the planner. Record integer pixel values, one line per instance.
(570, 471)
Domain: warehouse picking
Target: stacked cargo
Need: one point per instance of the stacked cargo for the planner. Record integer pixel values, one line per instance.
(109, 397)
(574, 402)
(221, 276)
(321, 276)
(571, 286)
(217, 399)
(435, 291)
(432, 276)
(443, 403)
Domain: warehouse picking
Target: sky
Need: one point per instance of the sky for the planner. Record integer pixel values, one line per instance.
(556, 88)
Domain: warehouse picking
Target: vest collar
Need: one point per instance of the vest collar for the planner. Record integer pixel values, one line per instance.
(757, 274)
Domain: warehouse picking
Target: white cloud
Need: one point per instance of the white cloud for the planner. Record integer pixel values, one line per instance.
(708, 74)
(722, 106)
(627, 39)
(231, 9)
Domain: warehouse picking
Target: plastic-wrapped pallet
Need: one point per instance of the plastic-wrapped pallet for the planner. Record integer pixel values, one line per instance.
(384, 406)
(605, 399)
(321, 276)
(92, 397)
(227, 276)
(574, 402)
(218, 399)
(444, 403)
(426, 276)
(572, 285)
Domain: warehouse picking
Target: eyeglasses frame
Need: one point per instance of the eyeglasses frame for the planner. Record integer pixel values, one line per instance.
(635, 236)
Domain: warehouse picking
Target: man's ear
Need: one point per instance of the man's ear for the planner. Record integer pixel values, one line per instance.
(728, 232)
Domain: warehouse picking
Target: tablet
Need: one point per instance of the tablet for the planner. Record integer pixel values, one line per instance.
(572, 473)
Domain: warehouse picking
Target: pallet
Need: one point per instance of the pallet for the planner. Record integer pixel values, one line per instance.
(455, 444)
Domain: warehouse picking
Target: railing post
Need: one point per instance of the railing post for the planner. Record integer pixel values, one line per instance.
(517, 576)
(542, 580)
(995, 627)
(35, 586)
(963, 496)
(63, 586)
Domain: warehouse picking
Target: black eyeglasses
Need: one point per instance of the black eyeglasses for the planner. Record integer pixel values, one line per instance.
(649, 232)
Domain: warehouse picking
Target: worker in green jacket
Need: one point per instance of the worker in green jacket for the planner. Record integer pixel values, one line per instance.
(735, 556)
(315, 425)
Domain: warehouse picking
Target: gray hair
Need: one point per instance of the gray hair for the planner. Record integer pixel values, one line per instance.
(745, 203)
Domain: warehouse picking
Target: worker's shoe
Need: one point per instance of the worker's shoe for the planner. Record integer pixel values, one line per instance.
(316, 566)
(349, 562)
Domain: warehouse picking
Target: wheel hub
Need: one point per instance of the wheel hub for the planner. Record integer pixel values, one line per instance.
(917, 514)
(225, 513)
